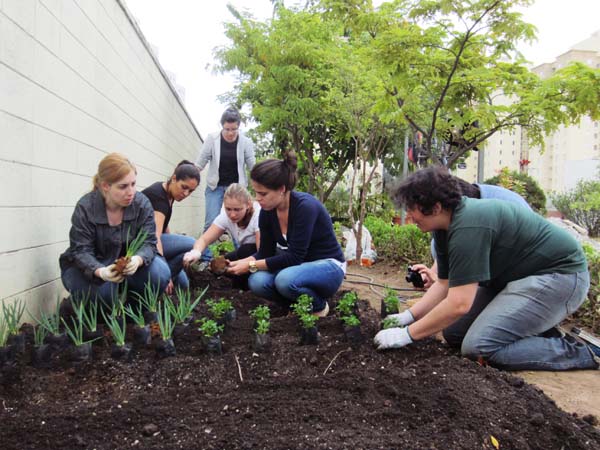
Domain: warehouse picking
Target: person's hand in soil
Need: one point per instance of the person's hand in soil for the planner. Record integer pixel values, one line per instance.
(110, 274)
(133, 265)
(392, 338)
(429, 275)
(239, 267)
(402, 319)
(191, 257)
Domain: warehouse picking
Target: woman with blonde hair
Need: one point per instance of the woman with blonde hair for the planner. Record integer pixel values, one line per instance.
(239, 218)
(103, 223)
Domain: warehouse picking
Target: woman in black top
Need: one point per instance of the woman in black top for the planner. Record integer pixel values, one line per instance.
(162, 194)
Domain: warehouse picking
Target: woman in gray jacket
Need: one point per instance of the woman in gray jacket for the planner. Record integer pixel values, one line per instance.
(104, 220)
(229, 154)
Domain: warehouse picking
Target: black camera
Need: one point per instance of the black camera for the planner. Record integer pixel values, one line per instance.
(414, 277)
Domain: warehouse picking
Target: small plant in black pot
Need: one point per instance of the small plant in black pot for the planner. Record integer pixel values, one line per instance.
(7, 355)
(262, 340)
(261, 312)
(117, 326)
(142, 336)
(222, 311)
(348, 304)
(389, 303)
(81, 350)
(165, 346)
(91, 330)
(211, 340)
(352, 329)
(150, 301)
(389, 322)
(183, 310)
(42, 353)
(13, 313)
(309, 333)
(51, 323)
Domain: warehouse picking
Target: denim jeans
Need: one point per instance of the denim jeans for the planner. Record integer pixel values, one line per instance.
(174, 247)
(213, 201)
(158, 273)
(504, 326)
(318, 279)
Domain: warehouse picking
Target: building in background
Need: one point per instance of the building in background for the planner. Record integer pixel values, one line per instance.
(78, 81)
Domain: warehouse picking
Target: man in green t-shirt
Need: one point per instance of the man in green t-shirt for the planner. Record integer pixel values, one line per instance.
(505, 275)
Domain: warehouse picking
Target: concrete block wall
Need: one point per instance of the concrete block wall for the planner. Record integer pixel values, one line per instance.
(77, 81)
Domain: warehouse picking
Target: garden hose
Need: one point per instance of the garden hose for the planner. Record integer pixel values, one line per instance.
(371, 284)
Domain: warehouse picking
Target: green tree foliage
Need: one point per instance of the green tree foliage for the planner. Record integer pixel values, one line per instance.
(589, 312)
(522, 184)
(581, 205)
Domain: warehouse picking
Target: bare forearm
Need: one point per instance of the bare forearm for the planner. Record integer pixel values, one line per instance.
(434, 295)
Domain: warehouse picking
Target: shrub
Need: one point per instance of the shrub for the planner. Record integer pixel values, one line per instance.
(522, 184)
(405, 244)
(589, 312)
(581, 205)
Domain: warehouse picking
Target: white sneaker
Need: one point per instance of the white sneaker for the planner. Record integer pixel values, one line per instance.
(323, 312)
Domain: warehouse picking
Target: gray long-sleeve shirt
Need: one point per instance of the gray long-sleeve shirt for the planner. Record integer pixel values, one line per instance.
(94, 243)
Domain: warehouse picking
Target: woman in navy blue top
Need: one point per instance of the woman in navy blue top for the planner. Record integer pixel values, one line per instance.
(299, 253)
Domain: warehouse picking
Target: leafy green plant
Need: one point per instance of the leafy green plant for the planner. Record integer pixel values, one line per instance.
(50, 322)
(589, 312)
(303, 309)
(262, 326)
(219, 308)
(222, 247)
(351, 320)
(581, 205)
(117, 327)
(13, 313)
(136, 315)
(209, 327)
(165, 322)
(400, 244)
(347, 303)
(261, 312)
(522, 184)
(39, 334)
(390, 322)
(391, 301)
(150, 297)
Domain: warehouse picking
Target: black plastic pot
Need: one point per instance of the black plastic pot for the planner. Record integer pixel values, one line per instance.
(81, 353)
(212, 344)
(180, 329)
(151, 317)
(165, 348)
(94, 336)
(230, 316)
(385, 311)
(262, 343)
(17, 342)
(7, 356)
(142, 336)
(41, 356)
(121, 352)
(57, 341)
(309, 336)
(353, 334)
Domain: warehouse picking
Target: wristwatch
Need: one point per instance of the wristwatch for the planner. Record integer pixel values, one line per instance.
(252, 267)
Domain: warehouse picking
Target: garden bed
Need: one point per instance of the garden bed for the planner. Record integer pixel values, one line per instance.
(423, 396)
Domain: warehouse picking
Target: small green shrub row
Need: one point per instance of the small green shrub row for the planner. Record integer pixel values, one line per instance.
(581, 205)
(401, 244)
(589, 313)
(522, 184)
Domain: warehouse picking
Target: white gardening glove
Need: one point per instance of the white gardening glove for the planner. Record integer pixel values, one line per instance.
(108, 273)
(133, 265)
(402, 319)
(392, 338)
(191, 257)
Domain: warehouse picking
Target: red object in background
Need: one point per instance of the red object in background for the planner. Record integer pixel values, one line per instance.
(411, 155)
(524, 162)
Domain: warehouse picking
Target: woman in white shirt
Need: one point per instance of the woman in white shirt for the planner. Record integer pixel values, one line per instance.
(239, 218)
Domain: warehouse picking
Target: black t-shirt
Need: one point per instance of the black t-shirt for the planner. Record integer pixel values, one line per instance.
(228, 170)
(160, 201)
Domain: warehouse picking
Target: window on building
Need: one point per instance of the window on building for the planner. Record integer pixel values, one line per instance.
(513, 142)
(500, 141)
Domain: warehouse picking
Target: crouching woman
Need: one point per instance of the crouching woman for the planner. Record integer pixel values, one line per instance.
(104, 221)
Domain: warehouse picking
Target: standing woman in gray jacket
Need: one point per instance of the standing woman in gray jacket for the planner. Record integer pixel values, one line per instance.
(230, 154)
(104, 220)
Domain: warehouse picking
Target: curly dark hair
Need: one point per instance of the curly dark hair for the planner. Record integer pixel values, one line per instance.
(425, 188)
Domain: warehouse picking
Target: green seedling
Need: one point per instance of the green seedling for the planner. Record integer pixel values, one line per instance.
(150, 297)
(39, 334)
(209, 327)
(391, 301)
(347, 303)
(50, 322)
(390, 322)
(136, 315)
(89, 313)
(218, 309)
(222, 248)
(75, 330)
(184, 308)
(117, 327)
(134, 246)
(261, 313)
(351, 320)
(165, 322)
(12, 315)
(262, 326)
(3, 332)
(303, 309)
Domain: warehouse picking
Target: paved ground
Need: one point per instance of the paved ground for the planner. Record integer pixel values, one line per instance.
(575, 391)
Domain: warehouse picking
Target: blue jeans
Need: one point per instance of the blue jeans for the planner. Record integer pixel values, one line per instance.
(78, 285)
(213, 201)
(318, 279)
(174, 247)
(503, 326)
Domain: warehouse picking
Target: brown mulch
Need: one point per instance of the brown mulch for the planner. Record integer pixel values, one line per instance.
(422, 397)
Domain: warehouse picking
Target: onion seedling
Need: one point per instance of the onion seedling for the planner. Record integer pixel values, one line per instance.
(184, 308)
(131, 249)
(150, 298)
(3, 332)
(165, 322)
(39, 334)
(117, 327)
(136, 315)
(12, 315)
(50, 322)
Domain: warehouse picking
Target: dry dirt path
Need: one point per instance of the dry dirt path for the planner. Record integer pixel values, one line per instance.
(574, 391)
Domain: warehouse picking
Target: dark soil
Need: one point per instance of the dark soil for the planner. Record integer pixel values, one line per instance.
(420, 397)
